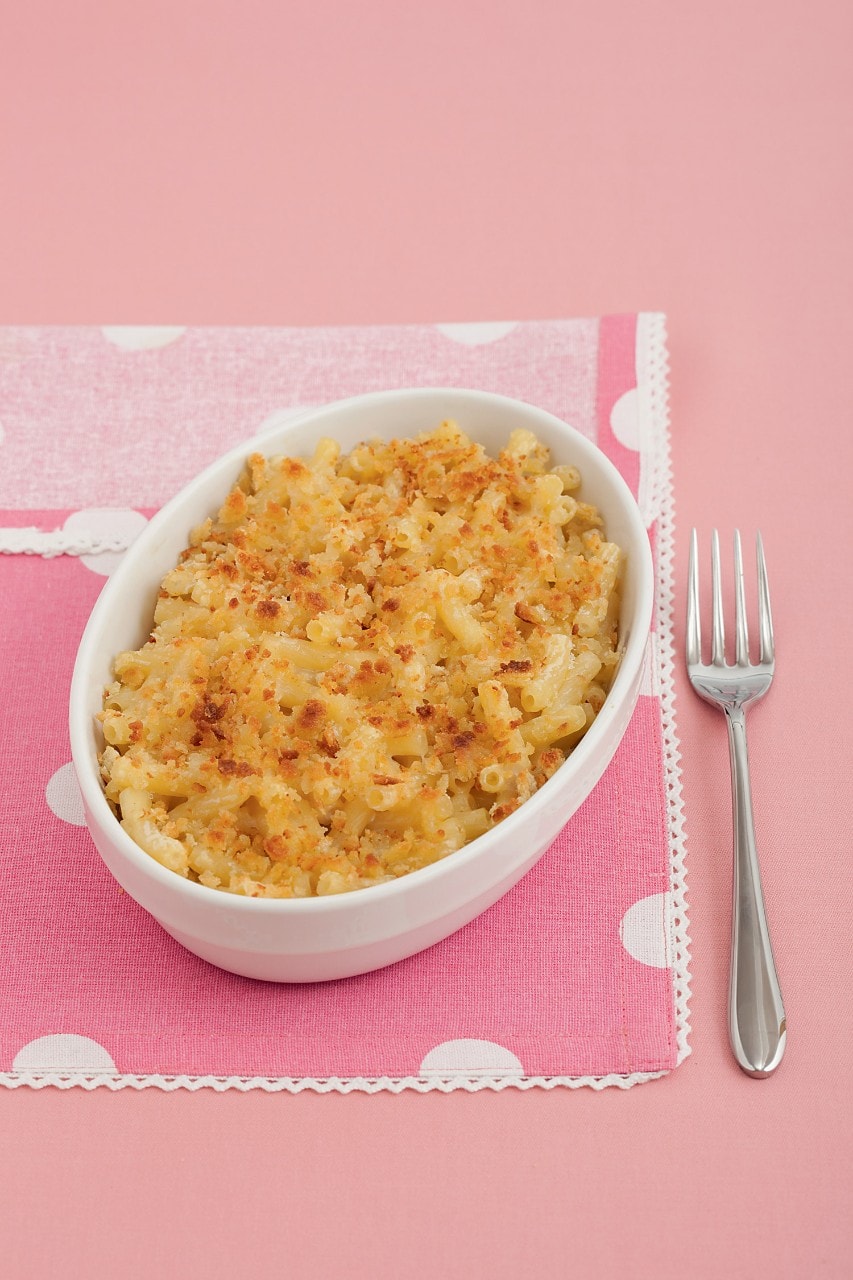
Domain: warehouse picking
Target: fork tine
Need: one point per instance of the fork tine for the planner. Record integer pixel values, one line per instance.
(693, 642)
(765, 618)
(718, 633)
(742, 634)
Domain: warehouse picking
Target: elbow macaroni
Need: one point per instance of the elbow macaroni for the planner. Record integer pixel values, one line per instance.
(362, 663)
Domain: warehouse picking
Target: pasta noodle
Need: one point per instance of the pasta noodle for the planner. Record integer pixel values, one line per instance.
(362, 663)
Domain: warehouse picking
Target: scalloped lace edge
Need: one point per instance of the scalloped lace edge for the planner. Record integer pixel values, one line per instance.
(653, 388)
(36, 542)
(653, 383)
(357, 1084)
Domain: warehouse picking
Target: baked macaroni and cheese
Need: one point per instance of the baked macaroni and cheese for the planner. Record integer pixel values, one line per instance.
(365, 661)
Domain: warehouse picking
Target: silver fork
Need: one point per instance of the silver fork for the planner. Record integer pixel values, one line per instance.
(756, 1013)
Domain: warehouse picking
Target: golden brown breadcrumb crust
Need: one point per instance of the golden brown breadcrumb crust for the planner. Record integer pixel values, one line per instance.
(362, 663)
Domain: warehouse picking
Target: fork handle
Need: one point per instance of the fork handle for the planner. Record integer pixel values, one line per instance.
(756, 1013)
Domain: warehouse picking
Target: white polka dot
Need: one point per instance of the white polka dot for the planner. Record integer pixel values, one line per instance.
(142, 337)
(625, 419)
(644, 930)
(64, 1053)
(63, 796)
(106, 522)
(471, 1058)
(279, 417)
(475, 335)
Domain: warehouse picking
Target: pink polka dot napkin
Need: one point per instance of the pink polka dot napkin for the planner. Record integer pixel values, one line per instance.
(577, 976)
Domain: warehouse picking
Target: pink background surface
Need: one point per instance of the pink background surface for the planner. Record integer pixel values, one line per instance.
(329, 163)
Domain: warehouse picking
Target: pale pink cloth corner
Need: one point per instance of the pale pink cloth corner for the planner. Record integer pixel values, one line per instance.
(578, 975)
